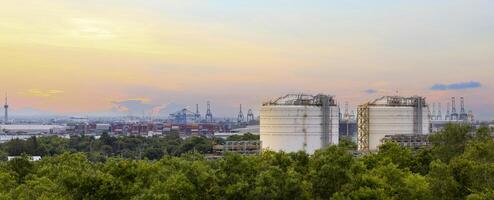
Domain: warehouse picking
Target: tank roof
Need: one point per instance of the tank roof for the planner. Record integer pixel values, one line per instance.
(398, 101)
(303, 99)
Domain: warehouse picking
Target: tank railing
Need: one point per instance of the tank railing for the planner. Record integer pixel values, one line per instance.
(302, 99)
(399, 101)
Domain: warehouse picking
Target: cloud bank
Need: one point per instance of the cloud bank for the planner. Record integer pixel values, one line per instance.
(133, 106)
(138, 106)
(42, 93)
(457, 86)
(370, 91)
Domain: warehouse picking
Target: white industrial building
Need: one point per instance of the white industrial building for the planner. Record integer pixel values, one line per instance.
(32, 129)
(299, 122)
(31, 158)
(391, 115)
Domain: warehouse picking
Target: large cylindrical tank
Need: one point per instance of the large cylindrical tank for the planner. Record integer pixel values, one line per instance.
(391, 115)
(393, 120)
(293, 128)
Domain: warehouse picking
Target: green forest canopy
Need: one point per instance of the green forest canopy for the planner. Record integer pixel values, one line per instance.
(458, 165)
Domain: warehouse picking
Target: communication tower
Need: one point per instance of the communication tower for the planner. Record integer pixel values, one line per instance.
(6, 107)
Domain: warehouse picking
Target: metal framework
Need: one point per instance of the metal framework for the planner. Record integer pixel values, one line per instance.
(303, 99)
(397, 101)
(209, 115)
(408, 140)
(240, 117)
(184, 116)
(252, 147)
(463, 113)
(250, 115)
(448, 113)
(454, 114)
(198, 115)
(363, 127)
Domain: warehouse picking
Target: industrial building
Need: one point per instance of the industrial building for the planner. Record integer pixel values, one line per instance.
(391, 115)
(32, 129)
(299, 122)
(252, 147)
(185, 116)
(413, 141)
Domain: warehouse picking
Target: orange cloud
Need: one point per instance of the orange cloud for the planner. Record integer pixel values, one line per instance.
(42, 93)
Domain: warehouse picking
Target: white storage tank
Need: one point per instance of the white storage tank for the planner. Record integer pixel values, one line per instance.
(299, 122)
(391, 115)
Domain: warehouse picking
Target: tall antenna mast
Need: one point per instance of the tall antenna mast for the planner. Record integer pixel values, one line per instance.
(6, 107)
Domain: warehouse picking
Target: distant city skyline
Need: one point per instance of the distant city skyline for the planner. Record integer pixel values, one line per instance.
(70, 57)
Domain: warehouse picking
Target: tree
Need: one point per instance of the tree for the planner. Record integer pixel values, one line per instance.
(199, 144)
(7, 183)
(389, 152)
(16, 147)
(442, 182)
(467, 172)
(450, 142)
(274, 183)
(21, 167)
(329, 171)
(37, 188)
(177, 186)
(347, 143)
(486, 195)
(153, 153)
(386, 182)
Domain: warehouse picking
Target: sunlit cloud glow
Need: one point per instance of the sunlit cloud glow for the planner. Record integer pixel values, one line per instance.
(42, 93)
(82, 56)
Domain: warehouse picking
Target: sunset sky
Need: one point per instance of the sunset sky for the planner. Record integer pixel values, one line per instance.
(76, 56)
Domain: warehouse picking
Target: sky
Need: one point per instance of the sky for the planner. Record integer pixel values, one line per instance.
(133, 56)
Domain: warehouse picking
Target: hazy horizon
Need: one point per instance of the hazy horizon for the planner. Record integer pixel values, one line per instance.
(67, 56)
